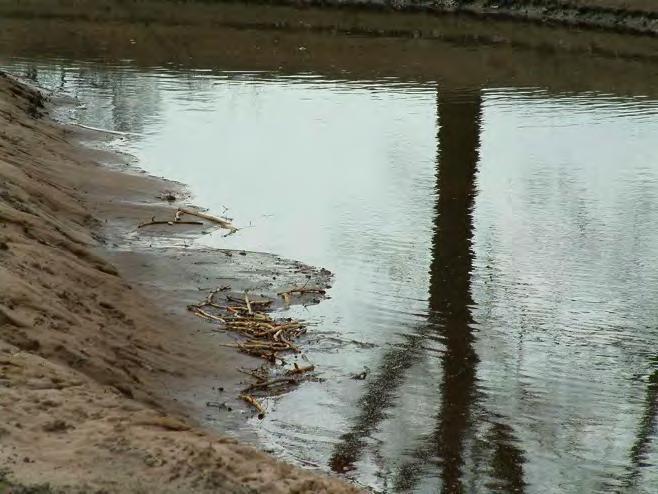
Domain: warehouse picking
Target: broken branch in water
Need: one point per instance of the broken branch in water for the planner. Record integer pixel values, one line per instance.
(254, 403)
(300, 370)
(202, 313)
(254, 373)
(265, 336)
(262, 336)
(223, 223)
(107, 131)
(252, 302)
(179, 221)
(272, 382)
(302, 290)
(211, 295)
(171, 223)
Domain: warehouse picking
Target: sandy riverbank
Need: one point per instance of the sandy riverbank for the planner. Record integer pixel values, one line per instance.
(90, 360)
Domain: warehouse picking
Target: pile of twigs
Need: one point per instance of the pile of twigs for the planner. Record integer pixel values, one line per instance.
(265, 336)
(262, 336)
(263, 385)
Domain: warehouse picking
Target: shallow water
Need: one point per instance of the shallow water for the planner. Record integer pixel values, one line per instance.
(494, 247)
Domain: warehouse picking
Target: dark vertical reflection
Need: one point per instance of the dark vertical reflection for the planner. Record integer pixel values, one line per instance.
(449, 304)
(378, 398)
(450, 294)
(646, 430)
(450, 322)
(450, 314)
(507, 462)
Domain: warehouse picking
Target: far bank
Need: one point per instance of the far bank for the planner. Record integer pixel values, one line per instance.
(631, 16)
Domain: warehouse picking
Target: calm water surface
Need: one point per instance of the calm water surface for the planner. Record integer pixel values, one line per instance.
(495, 251)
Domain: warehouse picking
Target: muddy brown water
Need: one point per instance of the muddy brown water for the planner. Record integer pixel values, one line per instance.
(490, 213)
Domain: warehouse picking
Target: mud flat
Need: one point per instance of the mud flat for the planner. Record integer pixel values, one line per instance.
(95, 350)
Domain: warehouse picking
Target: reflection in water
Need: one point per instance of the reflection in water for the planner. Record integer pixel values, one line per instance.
(646, 430)
(449, 302)
(450, 322)
(507, 462)
(450, 298)
(120, 100)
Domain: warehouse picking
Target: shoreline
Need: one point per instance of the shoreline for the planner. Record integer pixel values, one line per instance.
(419, 47)
(95, 356)
(620, 16)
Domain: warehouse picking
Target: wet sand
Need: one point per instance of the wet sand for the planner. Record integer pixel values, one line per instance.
(95, 347)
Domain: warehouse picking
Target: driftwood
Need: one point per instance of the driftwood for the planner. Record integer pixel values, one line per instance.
(256, 373)
(248, 304)
(300, 370)
(107, 131)
(254, 402)
(265, 337)
(211, 295)
(302, 290)
(252, 302)
(179, 221)
(272, 382)
(171, 223)
(202, 313)
(262, 336)
(222, 223)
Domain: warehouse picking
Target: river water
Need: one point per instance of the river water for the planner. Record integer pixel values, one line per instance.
(491, 221)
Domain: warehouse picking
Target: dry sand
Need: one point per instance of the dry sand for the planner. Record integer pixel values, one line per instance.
(90, 360)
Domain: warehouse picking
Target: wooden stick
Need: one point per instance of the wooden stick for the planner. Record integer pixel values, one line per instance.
(202, 313)
(253, 302)
(252, 373)
(254, 403)
(290, 345)
(211, 295)
(302, 290)
(300, 370)
(271, 382)
(269, 345)
(291, 325)
(223, 223)
(171, 223)
(107, 131)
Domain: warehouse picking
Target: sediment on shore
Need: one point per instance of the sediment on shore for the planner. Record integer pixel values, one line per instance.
(88, 359)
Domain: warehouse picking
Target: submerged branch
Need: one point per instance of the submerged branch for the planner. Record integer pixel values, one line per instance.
(222, 223)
